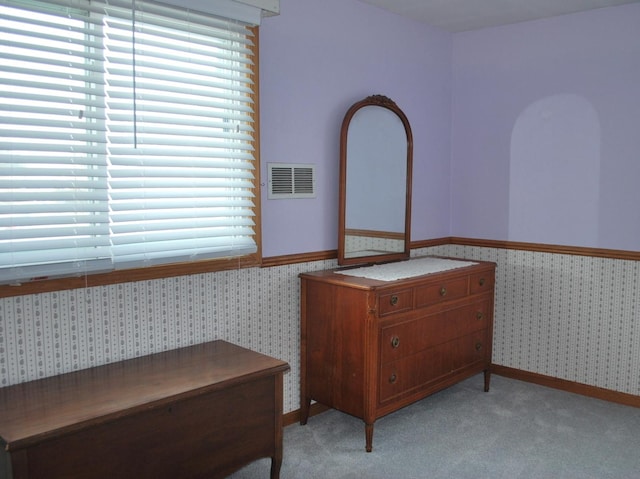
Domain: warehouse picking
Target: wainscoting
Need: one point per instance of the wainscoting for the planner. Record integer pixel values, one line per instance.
(562, 316)
(567, 316)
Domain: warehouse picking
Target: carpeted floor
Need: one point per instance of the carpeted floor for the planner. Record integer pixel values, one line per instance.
(515, 431)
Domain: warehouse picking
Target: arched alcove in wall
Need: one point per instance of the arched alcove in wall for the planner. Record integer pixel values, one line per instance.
(555, 172)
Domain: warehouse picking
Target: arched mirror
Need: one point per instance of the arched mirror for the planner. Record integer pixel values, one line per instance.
(376, 154)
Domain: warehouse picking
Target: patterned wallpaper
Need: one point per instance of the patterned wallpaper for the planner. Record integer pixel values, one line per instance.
(53, 333)
(565, 316)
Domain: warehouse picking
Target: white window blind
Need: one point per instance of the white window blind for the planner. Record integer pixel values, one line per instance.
(125, 137)
(54, 214)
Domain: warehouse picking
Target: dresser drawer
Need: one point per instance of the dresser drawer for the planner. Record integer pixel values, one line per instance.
(481, 282)
(412, 372)
(395, 302)
(409, 337)
(434, 293)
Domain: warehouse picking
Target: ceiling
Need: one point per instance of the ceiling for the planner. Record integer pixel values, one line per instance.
(462, 15)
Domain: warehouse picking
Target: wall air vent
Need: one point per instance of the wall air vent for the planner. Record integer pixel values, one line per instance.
(287, 180)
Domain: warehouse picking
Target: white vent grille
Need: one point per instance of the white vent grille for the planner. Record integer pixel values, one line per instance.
(288, 180)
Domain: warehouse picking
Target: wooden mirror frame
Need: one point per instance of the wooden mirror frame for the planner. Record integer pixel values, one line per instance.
(383, 256)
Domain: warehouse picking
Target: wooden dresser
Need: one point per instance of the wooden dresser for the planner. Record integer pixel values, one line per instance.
(370, 347)
(197, 412)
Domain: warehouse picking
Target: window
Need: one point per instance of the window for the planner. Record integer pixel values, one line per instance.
(126, 137)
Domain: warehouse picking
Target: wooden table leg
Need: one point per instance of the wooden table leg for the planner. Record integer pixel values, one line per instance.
(487, 379)
(305, 405)
(276, 464)
(368, 430)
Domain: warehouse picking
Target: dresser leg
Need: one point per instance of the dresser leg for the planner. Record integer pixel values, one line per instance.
(368, 432)
(487, 379)
(305, 405)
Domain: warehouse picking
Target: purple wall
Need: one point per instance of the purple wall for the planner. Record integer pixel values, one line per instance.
(546, 131)
(317, 58)
(539, 141)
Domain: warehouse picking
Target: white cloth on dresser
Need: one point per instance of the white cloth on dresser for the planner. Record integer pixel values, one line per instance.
(406, 269)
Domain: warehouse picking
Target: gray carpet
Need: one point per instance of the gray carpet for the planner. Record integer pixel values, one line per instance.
(516, 431)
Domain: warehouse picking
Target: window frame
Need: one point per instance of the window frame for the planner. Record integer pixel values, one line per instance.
(172, 269)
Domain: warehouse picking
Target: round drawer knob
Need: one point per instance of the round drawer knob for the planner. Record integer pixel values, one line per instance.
(443, 291)
(394, 300)
(395, 342)
(393, 378)
(478, 346)
(479, 315)
(481, 282)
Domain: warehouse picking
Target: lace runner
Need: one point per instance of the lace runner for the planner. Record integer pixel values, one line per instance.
(406, 269)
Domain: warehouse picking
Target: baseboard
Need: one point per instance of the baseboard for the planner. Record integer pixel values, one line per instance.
(569, 386)
(294, 416)
(521, 375)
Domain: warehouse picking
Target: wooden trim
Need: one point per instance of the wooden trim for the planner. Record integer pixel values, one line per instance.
(129, 275)
(548, 248)
(163, 271)
(374, 234)
(294, 416)
(520, 375)
(430, 243)
(209, 266)
(298, 258)
(568, 386)
(255, 115)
